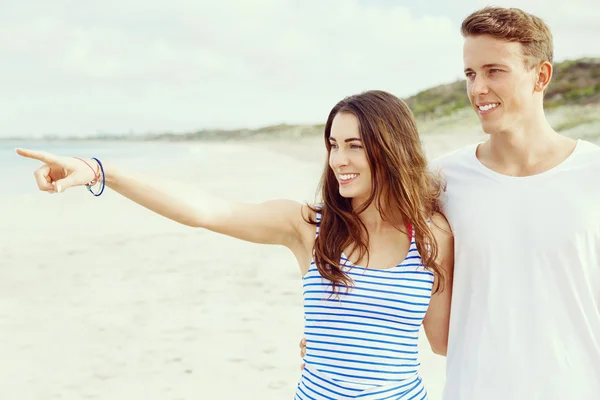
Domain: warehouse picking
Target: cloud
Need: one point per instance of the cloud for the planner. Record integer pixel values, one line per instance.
(131, 65)
(574, 23)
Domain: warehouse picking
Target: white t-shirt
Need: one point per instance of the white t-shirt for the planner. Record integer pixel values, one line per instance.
(525, 320)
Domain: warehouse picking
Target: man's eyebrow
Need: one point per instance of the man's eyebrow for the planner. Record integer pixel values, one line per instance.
(487, 66)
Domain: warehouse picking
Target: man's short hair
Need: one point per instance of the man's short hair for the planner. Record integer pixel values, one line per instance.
(513, 25)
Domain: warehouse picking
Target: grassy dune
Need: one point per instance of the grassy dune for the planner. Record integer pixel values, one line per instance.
(572, 105)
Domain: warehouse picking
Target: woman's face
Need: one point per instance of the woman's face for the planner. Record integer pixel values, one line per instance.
(348, 159)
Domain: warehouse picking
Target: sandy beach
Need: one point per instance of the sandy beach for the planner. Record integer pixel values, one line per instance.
(101, 299)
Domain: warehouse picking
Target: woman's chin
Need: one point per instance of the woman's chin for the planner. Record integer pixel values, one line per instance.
(347, 194)
(355, 196)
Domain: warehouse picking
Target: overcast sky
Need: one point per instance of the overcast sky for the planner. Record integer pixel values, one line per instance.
(116, 66)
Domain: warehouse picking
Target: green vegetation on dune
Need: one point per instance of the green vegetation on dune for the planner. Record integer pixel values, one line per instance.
(572, 100)
(439, 101)
(281, 131)
(573, 82)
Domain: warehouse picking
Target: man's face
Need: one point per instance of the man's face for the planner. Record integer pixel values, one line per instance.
(499, 84)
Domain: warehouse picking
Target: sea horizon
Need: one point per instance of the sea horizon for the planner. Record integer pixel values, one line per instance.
(16, 172)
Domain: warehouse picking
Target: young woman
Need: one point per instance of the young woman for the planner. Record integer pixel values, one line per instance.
(375, 256)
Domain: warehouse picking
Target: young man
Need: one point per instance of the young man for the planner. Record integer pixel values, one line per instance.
(524, 207)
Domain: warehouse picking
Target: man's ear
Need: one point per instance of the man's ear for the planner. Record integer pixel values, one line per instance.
(543, 75)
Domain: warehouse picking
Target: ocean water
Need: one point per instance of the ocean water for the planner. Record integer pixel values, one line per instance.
(16, 172)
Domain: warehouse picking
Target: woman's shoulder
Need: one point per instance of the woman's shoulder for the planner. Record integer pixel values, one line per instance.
(312, 213)
(442, 233)
(440, 226)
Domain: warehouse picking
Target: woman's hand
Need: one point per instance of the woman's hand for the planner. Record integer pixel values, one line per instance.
(60, 173)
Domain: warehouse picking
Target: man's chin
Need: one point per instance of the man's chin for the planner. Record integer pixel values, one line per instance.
(490, 128)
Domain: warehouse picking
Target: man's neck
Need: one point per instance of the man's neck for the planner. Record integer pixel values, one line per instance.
(527, 150)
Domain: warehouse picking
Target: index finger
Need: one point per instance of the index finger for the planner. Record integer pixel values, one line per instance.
(42, 156)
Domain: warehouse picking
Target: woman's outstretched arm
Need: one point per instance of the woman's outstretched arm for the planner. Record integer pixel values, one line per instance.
(272, 222)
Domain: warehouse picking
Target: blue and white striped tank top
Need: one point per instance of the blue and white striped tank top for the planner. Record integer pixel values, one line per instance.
(363, 344)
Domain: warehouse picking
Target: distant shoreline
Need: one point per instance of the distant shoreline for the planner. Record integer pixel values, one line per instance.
(572, 104)
(572, 120)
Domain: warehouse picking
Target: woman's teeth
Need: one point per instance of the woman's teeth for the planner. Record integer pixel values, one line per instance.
(346, 177)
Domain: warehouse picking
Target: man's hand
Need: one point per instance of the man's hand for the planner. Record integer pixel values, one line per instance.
(302, 346)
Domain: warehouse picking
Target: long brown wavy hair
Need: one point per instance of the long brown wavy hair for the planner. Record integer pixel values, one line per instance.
(401, 180)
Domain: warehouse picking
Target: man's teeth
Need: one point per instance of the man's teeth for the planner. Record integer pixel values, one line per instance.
(346, 177)
(488, 107)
